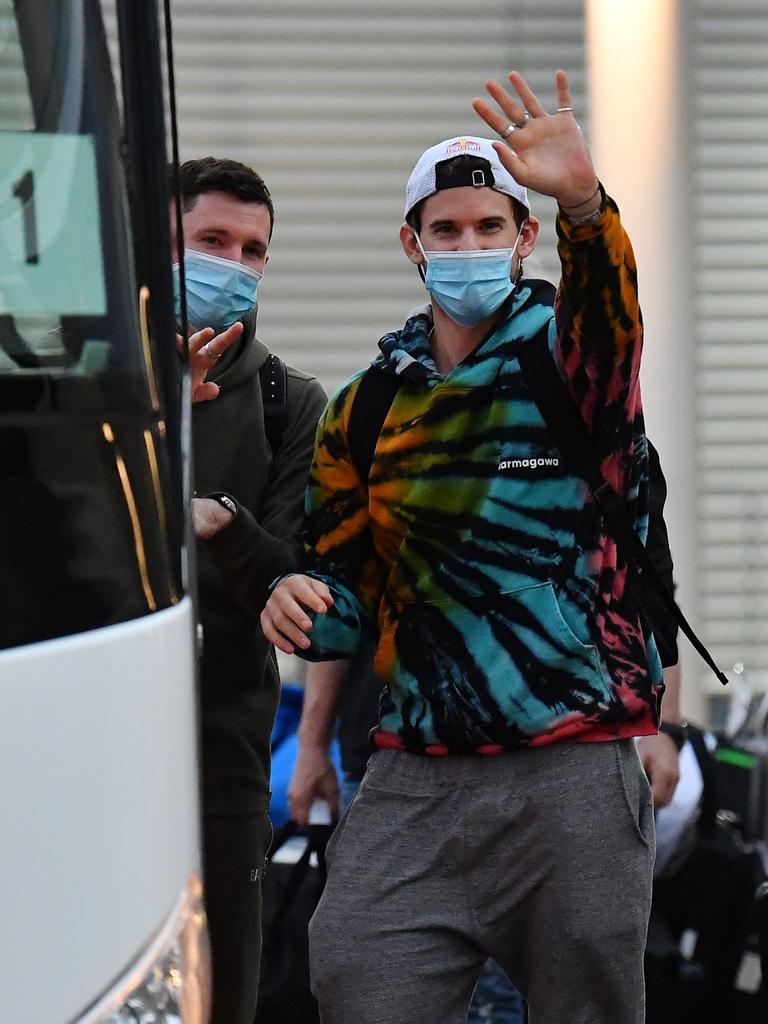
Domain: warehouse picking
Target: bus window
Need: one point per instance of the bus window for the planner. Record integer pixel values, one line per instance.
(68, 304)
(84, 528)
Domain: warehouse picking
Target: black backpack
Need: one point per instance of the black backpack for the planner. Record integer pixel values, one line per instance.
(711, 977)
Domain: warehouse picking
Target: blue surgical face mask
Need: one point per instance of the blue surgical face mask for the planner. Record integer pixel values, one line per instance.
(470, 285)
(219, 291)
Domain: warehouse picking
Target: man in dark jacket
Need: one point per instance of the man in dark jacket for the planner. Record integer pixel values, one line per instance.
(247, 515)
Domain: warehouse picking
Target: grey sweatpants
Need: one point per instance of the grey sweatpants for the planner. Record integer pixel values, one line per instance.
(541, 859)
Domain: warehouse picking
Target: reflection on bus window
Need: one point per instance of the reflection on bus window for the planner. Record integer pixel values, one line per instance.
(67, 294)
(84, 539)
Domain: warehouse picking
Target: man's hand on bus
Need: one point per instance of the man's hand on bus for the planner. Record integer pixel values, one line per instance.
(284, 621)
(205, 349)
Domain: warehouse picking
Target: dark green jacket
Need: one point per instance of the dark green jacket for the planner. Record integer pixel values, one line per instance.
(239, 679)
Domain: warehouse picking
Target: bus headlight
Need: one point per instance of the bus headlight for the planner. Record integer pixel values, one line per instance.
(170, 982)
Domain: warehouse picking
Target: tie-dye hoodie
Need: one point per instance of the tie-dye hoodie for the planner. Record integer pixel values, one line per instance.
(483, 565)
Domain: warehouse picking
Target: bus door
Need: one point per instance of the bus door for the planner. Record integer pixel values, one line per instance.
(101, 890)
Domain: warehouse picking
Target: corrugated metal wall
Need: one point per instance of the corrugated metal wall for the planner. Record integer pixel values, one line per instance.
(729, 96)
(15, 104)
(333, 102)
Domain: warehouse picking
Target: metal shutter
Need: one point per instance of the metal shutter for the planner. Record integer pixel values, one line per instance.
(15, 104)
(332, 102)
(729, 96)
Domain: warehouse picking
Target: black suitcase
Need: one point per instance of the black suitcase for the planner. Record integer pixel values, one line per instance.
(706, 953)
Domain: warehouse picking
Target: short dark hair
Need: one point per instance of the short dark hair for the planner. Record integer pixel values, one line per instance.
(213, 174)
(461, 167)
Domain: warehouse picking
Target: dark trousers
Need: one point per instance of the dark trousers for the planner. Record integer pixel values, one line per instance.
(234, 848)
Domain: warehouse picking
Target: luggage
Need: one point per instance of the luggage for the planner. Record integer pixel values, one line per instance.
(707, 946)
(293, 883)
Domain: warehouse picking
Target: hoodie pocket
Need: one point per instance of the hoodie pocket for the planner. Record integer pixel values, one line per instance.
(520, 633)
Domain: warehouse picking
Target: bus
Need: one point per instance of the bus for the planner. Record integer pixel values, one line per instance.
(102, 906)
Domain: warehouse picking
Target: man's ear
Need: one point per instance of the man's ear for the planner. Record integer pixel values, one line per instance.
(410, 245)
(528, 238)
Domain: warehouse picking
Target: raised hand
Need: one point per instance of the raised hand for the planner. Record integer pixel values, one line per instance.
(205, 349)
(545, 152)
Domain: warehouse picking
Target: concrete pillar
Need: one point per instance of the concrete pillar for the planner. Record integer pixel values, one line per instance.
(638, 115)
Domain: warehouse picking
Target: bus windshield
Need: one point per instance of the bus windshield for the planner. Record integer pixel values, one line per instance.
(68, 309)
(90, 515)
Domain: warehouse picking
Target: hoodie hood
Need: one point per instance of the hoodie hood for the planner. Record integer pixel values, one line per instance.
(408, 352)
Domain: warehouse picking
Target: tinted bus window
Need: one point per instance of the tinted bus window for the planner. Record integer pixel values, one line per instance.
(83, 468)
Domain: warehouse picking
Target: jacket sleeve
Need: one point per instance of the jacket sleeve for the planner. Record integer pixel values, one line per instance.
(598, 325)
(254, 549)
(340, 547)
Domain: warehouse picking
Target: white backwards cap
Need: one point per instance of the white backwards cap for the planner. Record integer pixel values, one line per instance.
(489, 171)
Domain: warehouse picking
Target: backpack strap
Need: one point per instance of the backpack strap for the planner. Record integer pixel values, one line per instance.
(373, 398)
(657, 546)
(273, 377)
(557, 407)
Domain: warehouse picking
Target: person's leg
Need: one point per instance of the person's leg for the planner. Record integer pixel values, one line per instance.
(578, 936)
(391, 941)
(541, 859)
(234, 848)
(495, 999)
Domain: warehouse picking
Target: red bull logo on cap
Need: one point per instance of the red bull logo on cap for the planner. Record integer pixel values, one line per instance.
(460, 146)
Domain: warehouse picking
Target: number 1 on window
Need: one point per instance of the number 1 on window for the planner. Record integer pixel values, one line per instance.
(24, 190)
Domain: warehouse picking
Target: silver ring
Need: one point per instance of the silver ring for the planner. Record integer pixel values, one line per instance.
(565, 110)
(211, 355)
(524, 122)
(508, 131)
